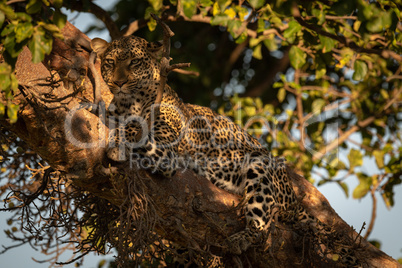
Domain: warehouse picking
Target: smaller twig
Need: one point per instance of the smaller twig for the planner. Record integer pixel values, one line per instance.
(28, 199)
(165, 66)
(374, 209)
(360, 232)
(14, 1)
(187, 72)
(99, 104)
(373, 214)
(96, 87)
(135, 26)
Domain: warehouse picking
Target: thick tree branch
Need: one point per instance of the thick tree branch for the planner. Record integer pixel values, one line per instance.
(191, 211)
(100, 13)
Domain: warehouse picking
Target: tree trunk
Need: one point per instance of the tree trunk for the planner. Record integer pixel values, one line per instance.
(192, 212)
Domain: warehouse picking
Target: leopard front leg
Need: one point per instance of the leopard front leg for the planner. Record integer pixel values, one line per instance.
(116, 149)
(126, 137)
(158, 158)
(158, 151)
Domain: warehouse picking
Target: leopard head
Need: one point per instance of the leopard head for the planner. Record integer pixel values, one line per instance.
(128, 63)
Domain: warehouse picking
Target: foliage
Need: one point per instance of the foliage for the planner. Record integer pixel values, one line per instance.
(332, 110)
(317, 82)
(341, 72)
(344, 77)
(26, 25)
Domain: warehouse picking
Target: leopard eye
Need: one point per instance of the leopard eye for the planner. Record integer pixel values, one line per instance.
(109, 61)
(134, 62)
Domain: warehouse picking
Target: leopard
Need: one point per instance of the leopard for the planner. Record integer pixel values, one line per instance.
(212, 145)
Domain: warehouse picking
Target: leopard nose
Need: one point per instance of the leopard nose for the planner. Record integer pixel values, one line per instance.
(120, 83)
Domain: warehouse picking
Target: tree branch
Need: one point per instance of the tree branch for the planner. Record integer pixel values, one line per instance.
(191, 211)
(166, 68)
(342, 39)
(134, 26)
(100, 13)
(343, 138)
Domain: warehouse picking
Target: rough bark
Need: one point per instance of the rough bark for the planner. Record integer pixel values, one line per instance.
(192, 211)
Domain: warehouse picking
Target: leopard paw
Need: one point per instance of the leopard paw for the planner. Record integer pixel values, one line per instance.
(241, 241)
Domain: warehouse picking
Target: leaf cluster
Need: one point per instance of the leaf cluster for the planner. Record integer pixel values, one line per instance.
(33, 24)
(343, 78)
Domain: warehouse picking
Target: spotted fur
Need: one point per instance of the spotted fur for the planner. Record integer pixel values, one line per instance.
(211, 144)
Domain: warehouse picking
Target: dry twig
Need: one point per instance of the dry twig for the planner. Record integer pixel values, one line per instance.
(165, 61)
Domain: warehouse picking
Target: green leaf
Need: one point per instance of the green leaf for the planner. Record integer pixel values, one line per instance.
(220, 20)
(189, 7)
(256, 3)
(12, 47)
(7, 10)
(271, 44)
(50, 27)
(355, 158)
(281, 95)
(206, 3)
(379, 158)
(320, 72)
(344, 187)
(257, 52)
(384, 94)
(156, 4)
(364, 186)
(33, 6)
(291, 32)
(151, 22)
(233, 26)
(23, 31)
(12, 111)
(250, 111)
(2, 18)
(5, 80)
(57, 3)
(375, 243)
(388, 189)
(320, 15)
(223, 4)
(254, 41)
(2, 110)
(59, 19)
(297, 57)
(241, 38)
(361, 69)
(22, 16)
(8, 30)
(40, 45)
(327, 44)
(317, 105)
(379, 22)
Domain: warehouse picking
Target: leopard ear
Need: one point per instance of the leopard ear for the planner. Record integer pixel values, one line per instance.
(99, 45)
(155, 48)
